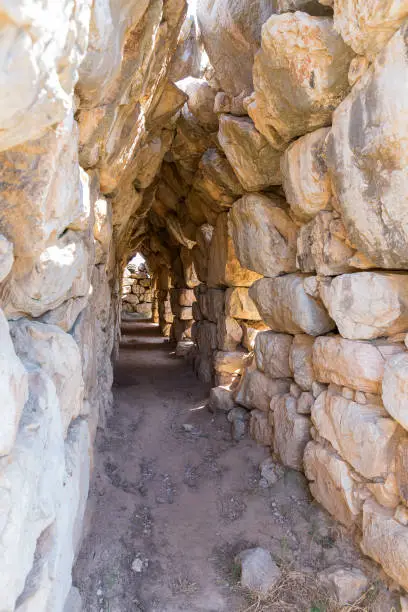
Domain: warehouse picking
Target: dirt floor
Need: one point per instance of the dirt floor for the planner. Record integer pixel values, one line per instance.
(174, 499)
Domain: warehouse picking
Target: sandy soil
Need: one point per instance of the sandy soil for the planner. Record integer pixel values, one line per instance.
(173, 499)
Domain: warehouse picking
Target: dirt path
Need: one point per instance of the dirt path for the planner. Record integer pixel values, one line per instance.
(173, 499)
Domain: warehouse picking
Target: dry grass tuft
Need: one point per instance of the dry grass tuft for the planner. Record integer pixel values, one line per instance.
(183, 585)
(299, 592)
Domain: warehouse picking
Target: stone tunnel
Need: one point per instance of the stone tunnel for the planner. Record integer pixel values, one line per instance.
(241, 399)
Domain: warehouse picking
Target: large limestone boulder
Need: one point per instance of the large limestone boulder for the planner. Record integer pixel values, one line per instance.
(256, 390)
(231, 362)
(386, 541)
(367, 305)
(323, 247)
(362, 434)
(367, 157)
(206, 337)
(229, 333)
(14, 389)
(272, 354)
(300, 76)
(291, 432)
(395, 388)
(200, 101)
(57, 354)
(260, 429)
(255, 162)
(250, 331)
(301, 361)
(239, 305)
(286, 307)
(231, 32)
(224, 268)
(31, 482)
(333, 483)
(43, 44)
(305, 175)
(367, 25)
(358, 365)
(264, 235)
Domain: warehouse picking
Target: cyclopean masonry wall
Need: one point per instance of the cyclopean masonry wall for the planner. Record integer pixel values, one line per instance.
(138, 293)
(269, 182)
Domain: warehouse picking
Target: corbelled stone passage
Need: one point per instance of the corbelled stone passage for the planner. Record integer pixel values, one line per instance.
(256, 155)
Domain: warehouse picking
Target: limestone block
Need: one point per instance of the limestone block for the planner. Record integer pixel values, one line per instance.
(367, 305)
(31, 484)
(6, 257)
(264, 236)
(187, 58)
(65, 315)
(333, 483)
(239, 305)
(204, 369)
(256, 390)
(190, 275)
(323, 247)
(367, 26)
(301, 360)
(272, 354)
(345, 584)
(291, 432)
(44, 282)
(250, 331)
(229, 334)
(44, 46)
(14, 389)
(300, 75)
(386, 492)
(286, 307)
(200, 101)
(221, 399)
(190, 142)
(230, 362)
(186, 297)
(255, 162)
(367, 140)
(212, 303)
(42, 176)
(145, 309)
(201, 251)
(358, 365)
(259, 428)
(231, 33)
(206, 337)
(224, 269)
(305, 402)
(102, 229)
(57, 354)
(361, 434)
(305, 176)
(259, 572)
(395, 388)
(385, 540)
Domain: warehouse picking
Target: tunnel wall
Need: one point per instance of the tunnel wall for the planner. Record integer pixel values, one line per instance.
(272, 184)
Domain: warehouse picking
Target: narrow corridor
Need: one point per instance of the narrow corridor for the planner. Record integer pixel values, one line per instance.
(173, 499)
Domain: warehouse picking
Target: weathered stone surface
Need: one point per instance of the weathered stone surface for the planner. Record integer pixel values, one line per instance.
(14, 389)
(221, 399)
(56, 353)
(229, 334)
(359, 365)
(259, 572)
(212, 303)
(395, 388)
(333, 483)
(271, 470)
(300, 75)
(272, 354)
(301, 360)
(200, 101)
(345, 584)
(367, 141)
(256, 390)
(255, 162)
(231, 362)
(312, 7)
(305, 175)
(401, 469)
(286, 307)
(264, 235)
(239, 305)
(323, 247)
(259, 428)
(43, 57)
(65, 315)
(367, 305)
(250, 331)
(367, 26)
(362, 434)
(231, 33)
(6, 257)
(386, 541)
(305, 402)
(206, 337)
(291, 432)
(224, 269)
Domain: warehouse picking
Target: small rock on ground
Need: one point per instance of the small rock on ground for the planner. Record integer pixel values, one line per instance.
(259, 572)
(346, 585)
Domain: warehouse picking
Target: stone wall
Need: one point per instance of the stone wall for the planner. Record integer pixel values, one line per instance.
(270, 183)
(138, 292)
